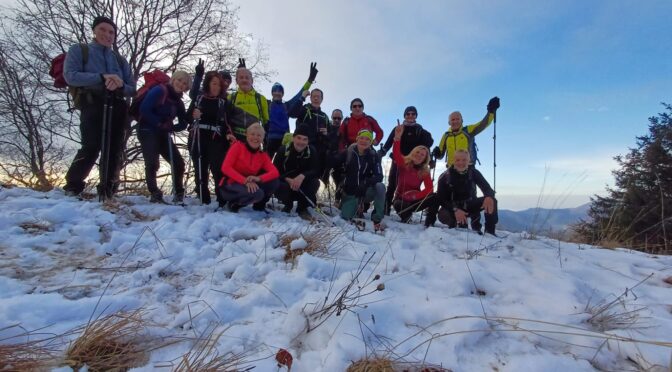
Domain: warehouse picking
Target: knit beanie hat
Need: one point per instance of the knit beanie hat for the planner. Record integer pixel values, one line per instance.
(301, 130)
(365, 133)
(277, 87)
(102, 19)
(411, 109)
(225, 75)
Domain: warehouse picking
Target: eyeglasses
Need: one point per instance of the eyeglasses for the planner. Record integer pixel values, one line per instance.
(356, 106)
(336, 119)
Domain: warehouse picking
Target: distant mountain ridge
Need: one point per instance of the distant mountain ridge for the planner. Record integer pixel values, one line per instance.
(541, 220)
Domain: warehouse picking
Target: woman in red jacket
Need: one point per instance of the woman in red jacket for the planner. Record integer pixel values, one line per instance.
(249, 175)
(413, 172)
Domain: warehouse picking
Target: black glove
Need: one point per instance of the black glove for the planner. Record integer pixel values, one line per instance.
(200, 67)
(493, 105)
(241, 63)
(436, 153)
(313, 72)
(381, 153)
(432, 163)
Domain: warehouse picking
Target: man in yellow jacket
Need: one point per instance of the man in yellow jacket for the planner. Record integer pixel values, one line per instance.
(459, 137)
(254, 106)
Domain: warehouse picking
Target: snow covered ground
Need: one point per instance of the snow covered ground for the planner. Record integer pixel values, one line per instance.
(450, 297)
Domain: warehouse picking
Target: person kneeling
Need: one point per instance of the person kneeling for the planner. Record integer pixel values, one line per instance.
(298, 164)
(243, 182)
(456, 197)
(412, 172)
(362, 181)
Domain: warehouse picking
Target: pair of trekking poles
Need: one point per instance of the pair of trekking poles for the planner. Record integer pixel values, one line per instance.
(108, 111)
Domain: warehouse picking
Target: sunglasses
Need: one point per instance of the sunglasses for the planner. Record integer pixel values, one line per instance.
(336, 118)
(356, 106)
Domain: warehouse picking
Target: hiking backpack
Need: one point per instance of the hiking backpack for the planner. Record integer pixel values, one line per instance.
(56, 69)
(152, 79)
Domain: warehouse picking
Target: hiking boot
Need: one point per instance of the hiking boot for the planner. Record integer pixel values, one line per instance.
(378, 226)
(178, 198)
(260, 207)
(287, 208)
(234, 208)
(156, 197)
(71, 193)
(490, 230)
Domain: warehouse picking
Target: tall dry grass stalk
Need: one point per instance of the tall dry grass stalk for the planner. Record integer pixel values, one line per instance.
(39, 354)
(205, 357)
(115, 342)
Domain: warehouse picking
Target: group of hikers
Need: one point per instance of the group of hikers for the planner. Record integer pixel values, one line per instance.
(244, 142)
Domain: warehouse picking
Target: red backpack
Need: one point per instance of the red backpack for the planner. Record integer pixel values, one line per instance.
(152, 79)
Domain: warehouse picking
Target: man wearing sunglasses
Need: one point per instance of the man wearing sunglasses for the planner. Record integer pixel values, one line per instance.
(356, 122)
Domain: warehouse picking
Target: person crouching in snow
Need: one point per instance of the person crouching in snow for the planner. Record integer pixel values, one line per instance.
(362, 181)
(298, 164)
(244, 182)
(412, 171)
(456, 198)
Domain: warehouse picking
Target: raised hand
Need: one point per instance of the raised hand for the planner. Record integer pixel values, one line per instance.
(493, 104)
(313, 72)
(241, 63)
(398, 131)
(200, 67)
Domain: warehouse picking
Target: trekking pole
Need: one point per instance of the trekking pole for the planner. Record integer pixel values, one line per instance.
(494, 152)
(317, 209)
(105, 144)
(172, 164)
(329, 195)
(197, 135)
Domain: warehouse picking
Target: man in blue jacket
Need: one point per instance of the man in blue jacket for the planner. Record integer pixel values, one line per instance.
(99, 73)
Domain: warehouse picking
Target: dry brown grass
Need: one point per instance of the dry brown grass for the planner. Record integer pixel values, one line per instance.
(36, 227)
(125, 210)
(321, 242)
(204, 356)
(379, 364)
(115, 342)
(36, 355)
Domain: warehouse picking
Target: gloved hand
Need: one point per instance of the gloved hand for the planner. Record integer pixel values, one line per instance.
(432, 163)
(200, 67)
(179, 127)
(436, 153)
(313, 72)
(241, 63)
(493, 104)
(381, 153)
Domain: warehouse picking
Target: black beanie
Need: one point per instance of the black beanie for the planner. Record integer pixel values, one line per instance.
(225, 75)
(101, 19)
(411, 109)
(301, 130)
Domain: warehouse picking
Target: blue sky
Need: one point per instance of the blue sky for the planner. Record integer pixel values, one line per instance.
(577, 79)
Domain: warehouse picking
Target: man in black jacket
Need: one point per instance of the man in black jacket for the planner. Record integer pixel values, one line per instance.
(456, 198)
(298, 164)
(414, 135)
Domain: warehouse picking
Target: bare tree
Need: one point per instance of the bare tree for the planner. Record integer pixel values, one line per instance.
(152, 34)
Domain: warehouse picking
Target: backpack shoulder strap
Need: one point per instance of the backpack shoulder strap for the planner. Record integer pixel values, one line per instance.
(85, 54)
(257, 97)
(234, 95)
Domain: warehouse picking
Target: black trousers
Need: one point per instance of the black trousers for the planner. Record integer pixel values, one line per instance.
(237, 193)
(391, 187)
(287, 196)
(153, 144)
(473, 209)
(272, 146)
(406, 209)
(209, 159)
(91, 129)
